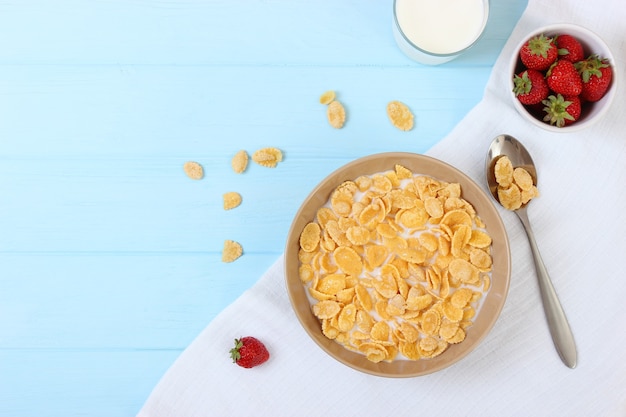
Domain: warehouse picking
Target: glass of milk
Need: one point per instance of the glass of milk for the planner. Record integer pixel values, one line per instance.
(436, 31)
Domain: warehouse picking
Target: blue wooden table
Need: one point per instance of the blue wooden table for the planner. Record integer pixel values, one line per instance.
(110, 257)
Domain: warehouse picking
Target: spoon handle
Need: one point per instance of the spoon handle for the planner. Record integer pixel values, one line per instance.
(557, 322)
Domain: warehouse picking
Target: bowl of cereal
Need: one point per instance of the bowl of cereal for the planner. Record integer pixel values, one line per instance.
(397, 264)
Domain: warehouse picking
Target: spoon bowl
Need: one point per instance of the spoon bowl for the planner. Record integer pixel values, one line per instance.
(520, 157)
(505, 145)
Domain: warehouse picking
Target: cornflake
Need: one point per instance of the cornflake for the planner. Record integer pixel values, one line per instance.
(515, 184)
(239, 162)
(231, 199)
(336, 114)
(503, 171)
(310, 237)
(232, 251)
(268, 157)
(193, 170)
(327, 97)
(396, 265)
(400, 115)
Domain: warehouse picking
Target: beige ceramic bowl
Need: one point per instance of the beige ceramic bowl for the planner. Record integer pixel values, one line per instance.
(492, 303)
(592, 44)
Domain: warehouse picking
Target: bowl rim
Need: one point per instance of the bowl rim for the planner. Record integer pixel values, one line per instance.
(492, 304)
(605, 101)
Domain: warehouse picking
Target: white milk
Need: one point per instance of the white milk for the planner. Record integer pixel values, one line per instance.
(441, 27)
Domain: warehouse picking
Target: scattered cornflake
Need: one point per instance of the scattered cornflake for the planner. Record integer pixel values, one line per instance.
(400, 115)
(268, 157)
(336, 114)
(193, 170)
(232, 251)
(327, 97)
(232, 199)
(239, 162)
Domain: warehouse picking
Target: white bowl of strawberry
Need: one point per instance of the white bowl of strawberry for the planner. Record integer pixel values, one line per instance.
(563, 78)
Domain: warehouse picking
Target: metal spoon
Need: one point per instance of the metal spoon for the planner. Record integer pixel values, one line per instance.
(557, 322)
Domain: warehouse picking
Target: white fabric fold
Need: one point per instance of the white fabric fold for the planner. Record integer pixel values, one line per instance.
(580, 225)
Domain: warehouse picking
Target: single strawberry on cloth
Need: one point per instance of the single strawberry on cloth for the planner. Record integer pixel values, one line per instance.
(580, 222)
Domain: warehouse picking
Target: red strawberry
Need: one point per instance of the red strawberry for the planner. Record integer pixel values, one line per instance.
(249, 352)
(562, 78)
(569, 48)
(561, 111)
(596, 74)
(530, 87)
(539, 52)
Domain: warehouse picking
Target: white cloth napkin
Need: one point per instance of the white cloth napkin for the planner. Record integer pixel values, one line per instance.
(580, 225)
